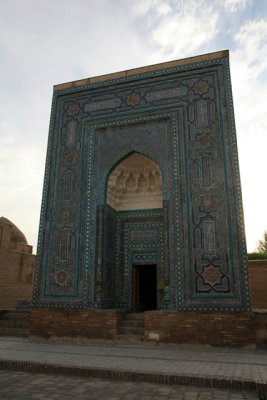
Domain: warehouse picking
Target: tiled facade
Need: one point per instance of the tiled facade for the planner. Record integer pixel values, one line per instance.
(179, 115)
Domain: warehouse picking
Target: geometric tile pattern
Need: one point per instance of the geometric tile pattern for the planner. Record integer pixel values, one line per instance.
(130, 237)
(181, 118)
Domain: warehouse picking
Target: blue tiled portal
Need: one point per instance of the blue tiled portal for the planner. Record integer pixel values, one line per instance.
(181, 118)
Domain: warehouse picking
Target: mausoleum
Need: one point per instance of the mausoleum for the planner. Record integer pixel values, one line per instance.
(142, 208)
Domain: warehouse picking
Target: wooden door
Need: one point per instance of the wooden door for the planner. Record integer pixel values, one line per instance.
(135, 286)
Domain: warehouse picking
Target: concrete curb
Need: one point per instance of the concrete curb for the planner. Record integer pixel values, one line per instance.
(169, 379)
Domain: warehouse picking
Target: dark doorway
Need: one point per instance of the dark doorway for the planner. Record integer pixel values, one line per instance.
(144, 287)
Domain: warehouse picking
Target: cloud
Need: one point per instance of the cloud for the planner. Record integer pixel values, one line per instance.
(178, 28)
(21, 179)
(249, 72)
(49, 43)
(235, 5)
(143, 7)
(252, 45)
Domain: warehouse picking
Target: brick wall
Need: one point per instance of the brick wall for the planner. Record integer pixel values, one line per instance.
(16, 278)
(260, 327)
(17, 265)
(258, 283)
(216, 329)
(170, 327)
(91, 324)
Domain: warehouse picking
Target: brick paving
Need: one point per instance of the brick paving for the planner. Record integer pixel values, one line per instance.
(219, 371)
(25, 386)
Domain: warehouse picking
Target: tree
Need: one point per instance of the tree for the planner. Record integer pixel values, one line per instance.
(257, 256)
(262, 246)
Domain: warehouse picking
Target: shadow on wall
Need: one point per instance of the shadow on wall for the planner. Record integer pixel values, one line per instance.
(258, 282)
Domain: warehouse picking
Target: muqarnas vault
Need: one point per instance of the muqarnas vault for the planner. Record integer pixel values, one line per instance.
(142, 205)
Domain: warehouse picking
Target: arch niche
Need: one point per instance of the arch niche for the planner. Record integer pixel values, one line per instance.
(135, 184)
(133, 232)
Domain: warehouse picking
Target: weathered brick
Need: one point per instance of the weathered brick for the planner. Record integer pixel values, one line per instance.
(204, 328)
(94, 324)
(258, 283)
(17, 266)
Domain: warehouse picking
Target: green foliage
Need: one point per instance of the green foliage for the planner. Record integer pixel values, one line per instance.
(261, 253)
(262, 246)
(257, 256)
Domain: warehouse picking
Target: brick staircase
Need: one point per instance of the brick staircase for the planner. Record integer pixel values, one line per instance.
(131, 327)
(14, 322)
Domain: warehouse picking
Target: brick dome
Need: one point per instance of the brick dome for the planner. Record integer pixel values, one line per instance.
(16, 235)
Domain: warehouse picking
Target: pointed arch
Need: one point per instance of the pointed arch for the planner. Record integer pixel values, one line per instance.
(134, 182)
(128, 153)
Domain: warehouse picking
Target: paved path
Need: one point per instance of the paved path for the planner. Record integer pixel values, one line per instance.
(23, 386)
(190, 365)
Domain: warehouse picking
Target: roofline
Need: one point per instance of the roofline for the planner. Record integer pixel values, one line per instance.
(140, 70)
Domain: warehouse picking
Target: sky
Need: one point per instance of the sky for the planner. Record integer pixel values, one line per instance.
(47, 42)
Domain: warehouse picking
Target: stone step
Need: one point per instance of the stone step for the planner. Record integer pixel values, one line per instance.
(122, 330)
(134, 316)
(131, 324)
(13, 332)
(131, 328)
(129, 338)
(11, 323)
